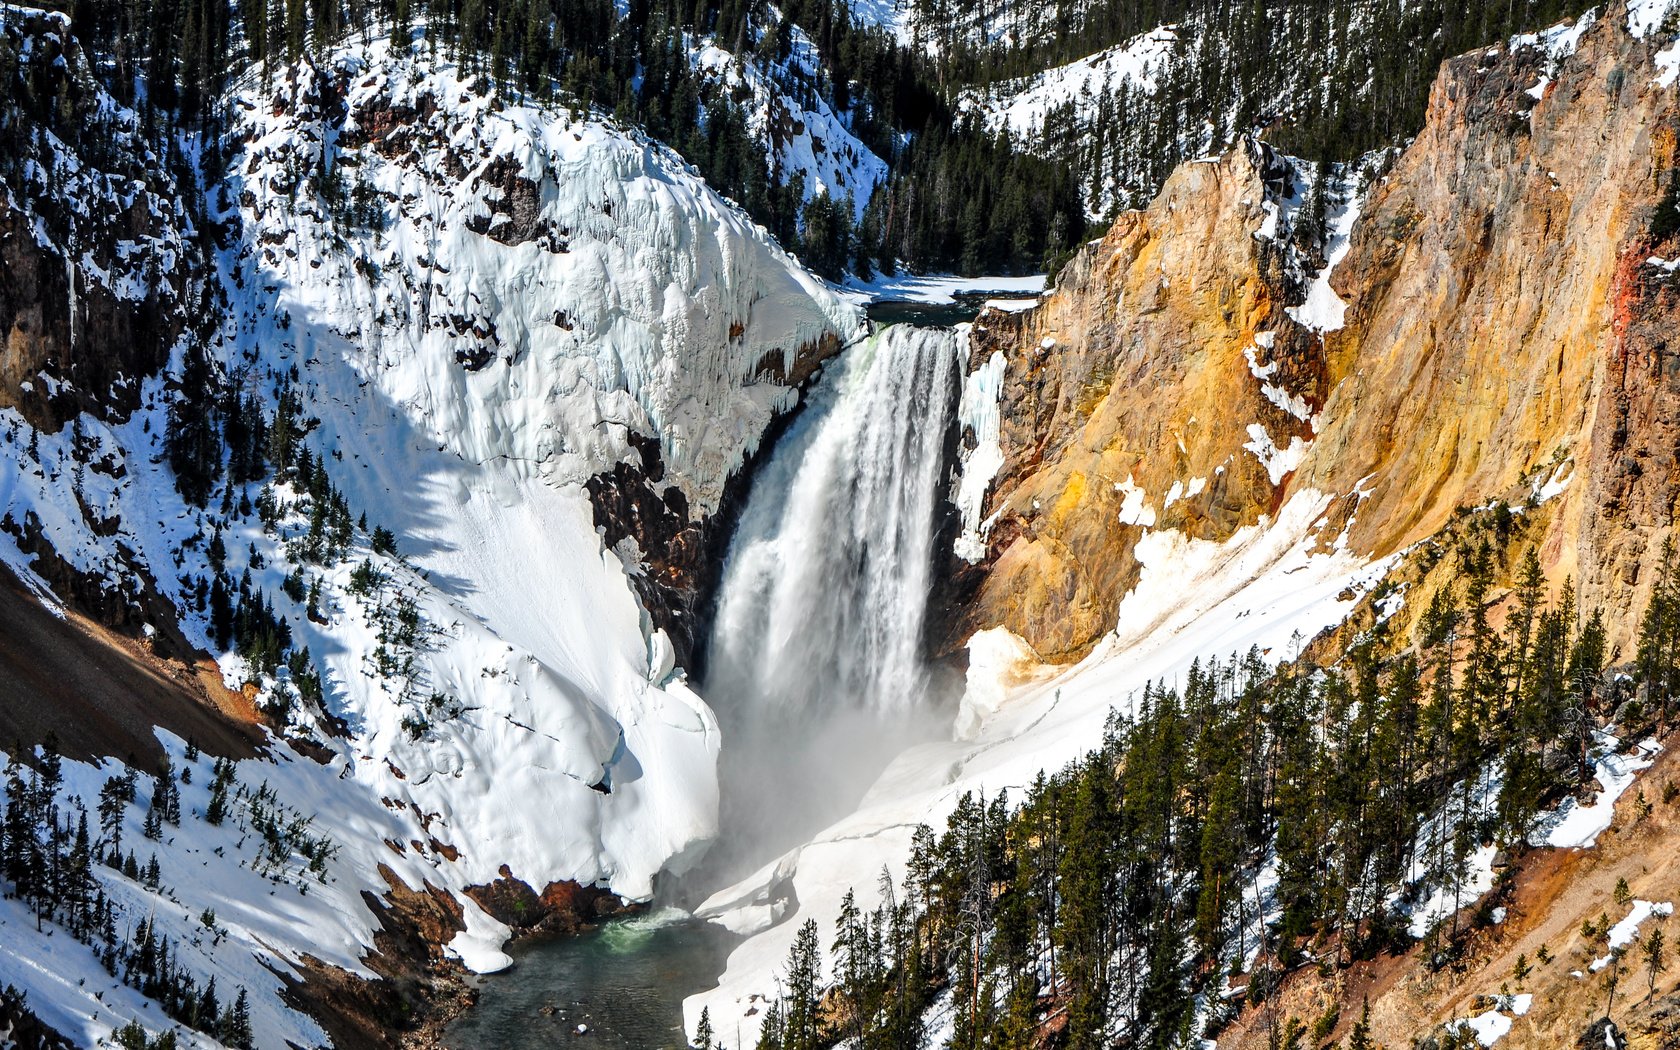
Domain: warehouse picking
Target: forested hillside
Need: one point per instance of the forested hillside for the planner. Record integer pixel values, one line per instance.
(1250, 822)
(961, 192)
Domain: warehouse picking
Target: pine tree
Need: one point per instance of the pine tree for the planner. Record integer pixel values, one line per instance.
(192, 442)
(1654, 950)
(804, 988)
(703, 1037)
(235, 1027)
(1360, 1037)
(1613, 971)
(1659, 637)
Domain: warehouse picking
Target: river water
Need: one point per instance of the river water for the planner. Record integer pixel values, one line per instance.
(624, 983)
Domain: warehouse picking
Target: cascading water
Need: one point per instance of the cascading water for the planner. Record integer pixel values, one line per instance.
(815, 672)
(815, 658)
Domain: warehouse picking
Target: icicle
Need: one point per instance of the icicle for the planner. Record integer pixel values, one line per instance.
(70, 268)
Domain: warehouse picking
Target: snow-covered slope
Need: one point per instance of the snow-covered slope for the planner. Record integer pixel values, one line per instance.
(1021, 107)
(477, 305)
(1102, 112)
(531, 292)
(267, 913)
(800, 132)
(590, 282)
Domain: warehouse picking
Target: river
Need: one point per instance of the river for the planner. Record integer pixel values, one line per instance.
(620, 987)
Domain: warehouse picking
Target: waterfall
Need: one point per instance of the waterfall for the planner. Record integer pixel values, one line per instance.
(815, 658)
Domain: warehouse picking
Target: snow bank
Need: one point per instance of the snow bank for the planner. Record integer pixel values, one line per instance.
(997, 660)
(1577, 826)
(937, 289)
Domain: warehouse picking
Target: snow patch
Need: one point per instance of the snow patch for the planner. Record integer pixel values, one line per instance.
(1134, 504)
(1552, 485)
(1495, 1024)
(798, 129)
(1645, 16)
(1180, 491)
(1279, 462)
(1435, 870)
(1623, 933)
(479, 946)
(1577, 826)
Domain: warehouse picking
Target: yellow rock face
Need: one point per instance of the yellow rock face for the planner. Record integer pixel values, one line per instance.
(1503, 330)
(1135, 375)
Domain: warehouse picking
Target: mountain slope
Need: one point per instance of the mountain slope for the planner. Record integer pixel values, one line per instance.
(1495, 220)
(442, 313)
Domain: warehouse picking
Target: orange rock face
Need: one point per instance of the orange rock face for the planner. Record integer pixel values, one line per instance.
(1133, 376)
(1504, 329)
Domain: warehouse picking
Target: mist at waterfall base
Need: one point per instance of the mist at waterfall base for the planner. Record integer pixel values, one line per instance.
(815, 659)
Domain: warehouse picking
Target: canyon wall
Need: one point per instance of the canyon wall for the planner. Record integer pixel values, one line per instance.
(1494, 328)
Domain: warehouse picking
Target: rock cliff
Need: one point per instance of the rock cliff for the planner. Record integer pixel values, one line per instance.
(100, 258)
(1492, 328)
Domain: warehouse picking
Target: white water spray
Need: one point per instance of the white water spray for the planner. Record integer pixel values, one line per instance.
(816, 661)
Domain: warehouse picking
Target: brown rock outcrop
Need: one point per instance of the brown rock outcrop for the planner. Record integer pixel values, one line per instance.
(1503, 324)
(561, 908)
